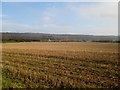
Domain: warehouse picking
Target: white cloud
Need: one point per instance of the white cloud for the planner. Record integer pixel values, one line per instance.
(46, 18)
(49, 14)
(12, 26)
(9, 26)
(97, 11)
(57, 29)
(3, 16)
(104, 15)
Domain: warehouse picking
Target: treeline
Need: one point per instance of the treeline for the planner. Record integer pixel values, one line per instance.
(40, 37)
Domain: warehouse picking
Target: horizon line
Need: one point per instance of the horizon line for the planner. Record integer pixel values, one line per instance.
(61, 33)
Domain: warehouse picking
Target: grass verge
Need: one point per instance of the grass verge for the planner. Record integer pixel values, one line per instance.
(8, 83)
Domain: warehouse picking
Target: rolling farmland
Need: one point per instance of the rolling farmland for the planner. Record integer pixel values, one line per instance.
(61, 64)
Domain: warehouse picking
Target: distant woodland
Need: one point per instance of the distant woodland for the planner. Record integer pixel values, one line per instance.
(41, 37)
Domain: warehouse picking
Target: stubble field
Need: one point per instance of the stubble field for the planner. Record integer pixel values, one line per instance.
(60, 65)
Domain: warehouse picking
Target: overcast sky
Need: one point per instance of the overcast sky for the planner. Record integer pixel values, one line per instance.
(93, 18)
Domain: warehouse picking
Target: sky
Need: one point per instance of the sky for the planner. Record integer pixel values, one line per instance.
(89, 18)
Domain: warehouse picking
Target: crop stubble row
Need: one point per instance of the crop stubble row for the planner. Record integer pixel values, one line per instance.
(45, 68)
